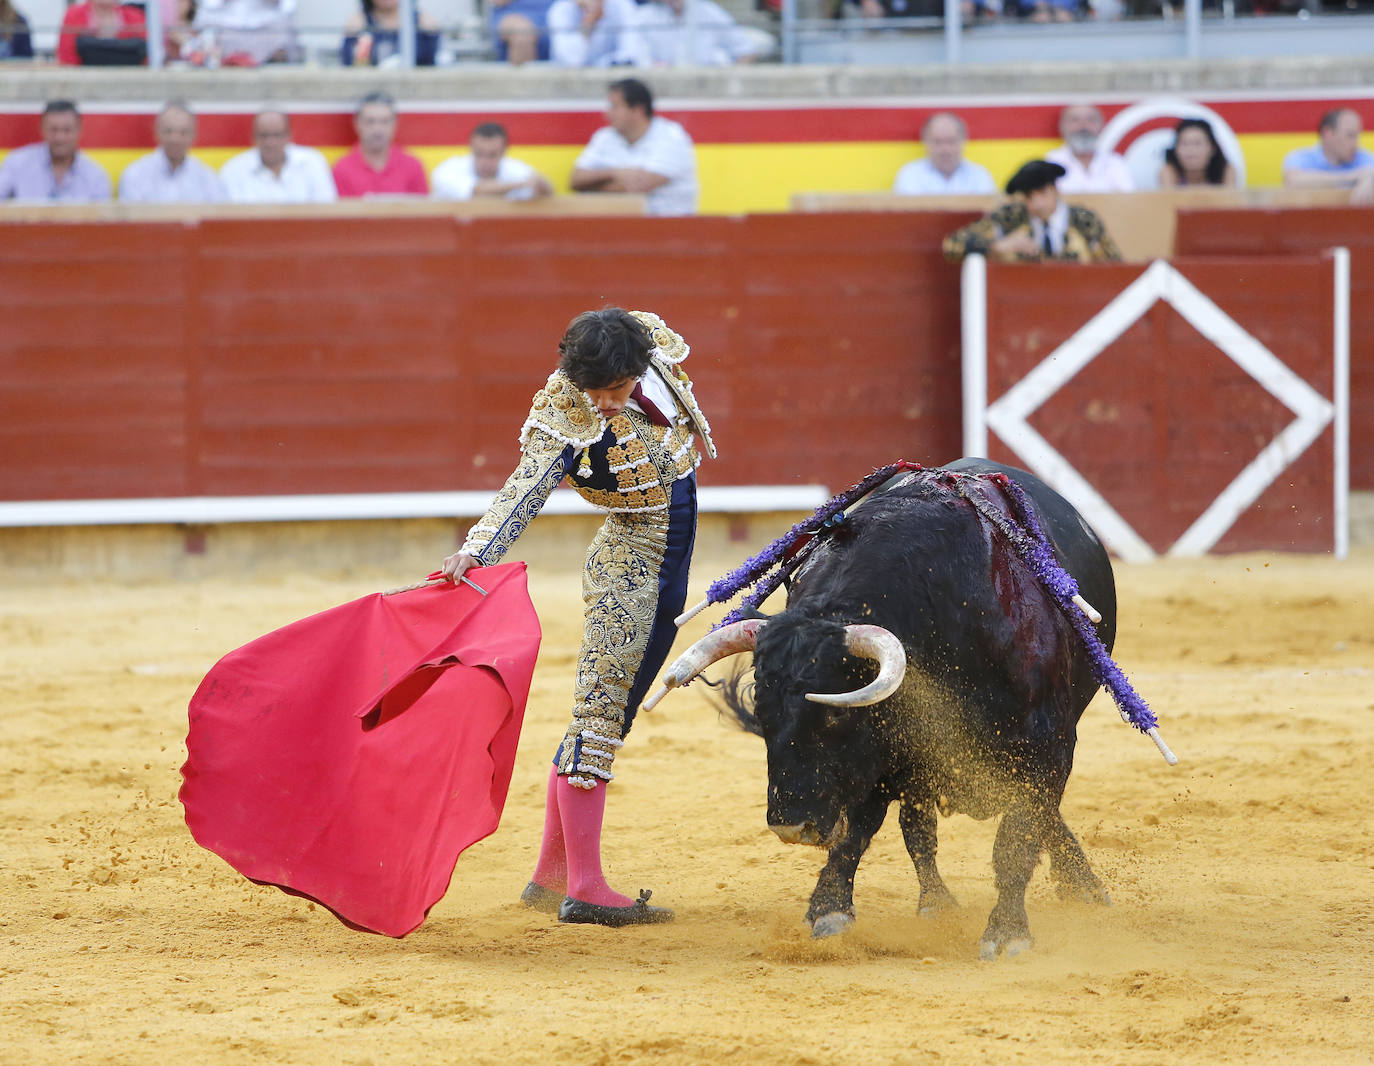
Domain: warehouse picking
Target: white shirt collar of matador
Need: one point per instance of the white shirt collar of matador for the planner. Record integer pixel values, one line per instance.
(1058, 226)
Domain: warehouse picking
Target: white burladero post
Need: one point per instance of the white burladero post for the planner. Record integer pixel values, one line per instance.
(157, 42)
(1340, 397)
(973, 303)
(406, 39)
(954, 31)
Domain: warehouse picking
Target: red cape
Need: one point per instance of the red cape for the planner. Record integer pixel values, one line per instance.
(351, 756)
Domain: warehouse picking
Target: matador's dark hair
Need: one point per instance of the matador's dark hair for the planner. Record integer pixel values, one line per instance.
(603, 347)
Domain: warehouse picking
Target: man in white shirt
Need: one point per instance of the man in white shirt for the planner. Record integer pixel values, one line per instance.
(171, 175)
(277, 171)
(1085, 168)
(640, 152)
(487, 171)
(688, 33)
(248, 31)
(944, 171)
(590, 33)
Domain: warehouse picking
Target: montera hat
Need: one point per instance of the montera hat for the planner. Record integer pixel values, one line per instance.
(1034, 175)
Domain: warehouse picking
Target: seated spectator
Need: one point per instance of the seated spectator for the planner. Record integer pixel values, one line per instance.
(590, 33)
(102, 33)
(248, 33)
(1050, 10)
(640, 152)
(1196, 158)
(171, 175)
(1036, 225)
(277, 171)
(374, 36)
(1086, 169)
(178, 29)
(15, 42)
(487, 171)
(944, 171)
(376, 167)
(519, 29)
(56, 170)
(969, 10)
(664, 36)
(1336, 161)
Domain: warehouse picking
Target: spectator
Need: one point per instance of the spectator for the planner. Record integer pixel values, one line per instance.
(519, 29)
(944, 170)
(178, 29)
(969, 10)
(55, 170)
(277, 171)
(590, 33)
(102, 33)
(15, 42)
(248, 33)
(376, 167)
(1195, 158)
(1050, 10)
(1086, 169)
(487, 171)
(1336, 161)
(374, 36)
(640, 152)
(171, 175)
(664, 36)
(1036, 225)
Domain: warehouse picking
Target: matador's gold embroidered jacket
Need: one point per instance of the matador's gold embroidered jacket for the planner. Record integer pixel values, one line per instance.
(1086, 240)
(625, 464)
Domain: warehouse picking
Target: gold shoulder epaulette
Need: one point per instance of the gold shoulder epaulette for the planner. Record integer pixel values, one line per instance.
(565, 413)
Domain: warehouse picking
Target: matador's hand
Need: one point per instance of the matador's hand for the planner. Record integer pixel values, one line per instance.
(458, 564)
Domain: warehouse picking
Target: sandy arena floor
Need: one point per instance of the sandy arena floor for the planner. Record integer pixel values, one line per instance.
(1243, 879)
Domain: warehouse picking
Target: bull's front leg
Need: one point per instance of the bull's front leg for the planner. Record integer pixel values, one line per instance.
(1014, 855)
(832, 903)
(919, 831)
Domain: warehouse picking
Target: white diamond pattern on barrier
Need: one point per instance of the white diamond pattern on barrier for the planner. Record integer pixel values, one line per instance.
(1009, 415)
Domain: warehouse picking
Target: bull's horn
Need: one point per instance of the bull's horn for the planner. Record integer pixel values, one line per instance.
(728, 640)
(878, 644)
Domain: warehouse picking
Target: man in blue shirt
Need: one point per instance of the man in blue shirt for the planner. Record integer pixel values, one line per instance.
(944, 171)
(54, 170)
(1336, 161)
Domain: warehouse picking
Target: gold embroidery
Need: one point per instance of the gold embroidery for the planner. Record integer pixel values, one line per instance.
(620, 592)
(538, 473)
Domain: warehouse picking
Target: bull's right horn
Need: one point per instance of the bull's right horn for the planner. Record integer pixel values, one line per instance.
(879, 644)
(728, 640)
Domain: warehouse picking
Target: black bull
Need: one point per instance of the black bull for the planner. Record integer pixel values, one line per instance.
(985, 719)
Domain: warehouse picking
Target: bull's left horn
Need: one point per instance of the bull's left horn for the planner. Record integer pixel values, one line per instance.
(728, 640)
(878, 644)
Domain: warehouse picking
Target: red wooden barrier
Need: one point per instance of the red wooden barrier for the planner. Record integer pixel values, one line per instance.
(380, 355)
(1165, 420)
(1273, 232)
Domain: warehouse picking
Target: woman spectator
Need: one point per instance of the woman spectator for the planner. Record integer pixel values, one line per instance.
(101, 20)
(520, 30)
(15, 42)
(1195, 158)
(374, 36)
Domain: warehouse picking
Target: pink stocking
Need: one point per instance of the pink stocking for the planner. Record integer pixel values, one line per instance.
(551, 871)
(582, 811)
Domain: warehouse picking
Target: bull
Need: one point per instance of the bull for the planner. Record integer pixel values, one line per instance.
(920, 661)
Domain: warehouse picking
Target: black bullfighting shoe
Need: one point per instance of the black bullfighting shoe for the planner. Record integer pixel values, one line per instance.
(539, 898)
(579, 912)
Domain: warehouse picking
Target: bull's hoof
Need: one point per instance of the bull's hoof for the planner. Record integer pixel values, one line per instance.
(936, 903)
(835, 923)
(1083, 893)
(989, 948)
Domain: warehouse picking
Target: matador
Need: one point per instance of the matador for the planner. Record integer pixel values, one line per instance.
(618, 419)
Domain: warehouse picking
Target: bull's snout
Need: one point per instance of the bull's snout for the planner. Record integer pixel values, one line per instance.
(808, 833)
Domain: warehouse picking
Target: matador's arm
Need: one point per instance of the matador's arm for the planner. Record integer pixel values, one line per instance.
(543, 463)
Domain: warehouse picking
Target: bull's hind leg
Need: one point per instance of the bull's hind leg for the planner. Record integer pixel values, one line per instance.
(1069, 867)
(1014, 855)
(919, 831)
(832, 904)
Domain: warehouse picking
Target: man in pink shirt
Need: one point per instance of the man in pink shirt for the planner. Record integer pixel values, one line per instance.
(376, 167)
